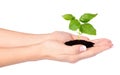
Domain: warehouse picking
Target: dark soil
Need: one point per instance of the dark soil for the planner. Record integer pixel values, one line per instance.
(88, 44)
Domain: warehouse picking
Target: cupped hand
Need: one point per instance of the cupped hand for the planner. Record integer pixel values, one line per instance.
(64, 36)
(55, 49)
(101, 45)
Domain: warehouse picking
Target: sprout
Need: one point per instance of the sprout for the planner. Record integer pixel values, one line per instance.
(82, 24)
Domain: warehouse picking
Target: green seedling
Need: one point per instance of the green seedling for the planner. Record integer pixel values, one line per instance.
(82, 24)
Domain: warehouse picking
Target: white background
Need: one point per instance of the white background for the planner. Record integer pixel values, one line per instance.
(44, 16)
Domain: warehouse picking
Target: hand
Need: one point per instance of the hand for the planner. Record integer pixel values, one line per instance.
(101, 45)
(49, 46)
(55, 49)
(64, 36)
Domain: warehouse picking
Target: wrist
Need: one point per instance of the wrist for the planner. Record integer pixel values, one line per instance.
(36, 52)
(43, 37)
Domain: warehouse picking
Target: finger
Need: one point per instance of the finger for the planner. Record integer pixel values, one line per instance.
(81, 37)
(69, 58)
(105, 44)
(86, 54)
(99, 42)
(95, 50)
(76, 49)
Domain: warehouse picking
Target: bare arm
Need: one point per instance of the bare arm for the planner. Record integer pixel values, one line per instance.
(10, 56)
(9, 38)
(16, 47)
(52, 50)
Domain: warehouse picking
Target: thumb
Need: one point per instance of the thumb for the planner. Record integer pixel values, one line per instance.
(75, 49)
(81, 48)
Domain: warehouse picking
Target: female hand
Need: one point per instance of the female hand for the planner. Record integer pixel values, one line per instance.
(64, 36)
(55, 49)
(21, 47)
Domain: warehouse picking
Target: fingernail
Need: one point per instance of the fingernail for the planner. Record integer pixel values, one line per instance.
(83, 48)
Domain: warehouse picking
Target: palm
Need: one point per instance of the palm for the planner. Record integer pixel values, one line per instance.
(57, 50)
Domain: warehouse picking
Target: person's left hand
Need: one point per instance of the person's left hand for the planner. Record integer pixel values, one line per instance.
(64, 36)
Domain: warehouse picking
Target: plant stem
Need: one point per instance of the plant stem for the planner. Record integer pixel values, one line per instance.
(79, 33)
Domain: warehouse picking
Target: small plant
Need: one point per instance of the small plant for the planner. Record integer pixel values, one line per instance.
(82, 24)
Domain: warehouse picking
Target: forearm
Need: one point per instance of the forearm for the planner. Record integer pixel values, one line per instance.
(10, 38)
(9, 56)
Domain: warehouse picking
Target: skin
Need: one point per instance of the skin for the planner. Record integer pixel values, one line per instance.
(23, 47)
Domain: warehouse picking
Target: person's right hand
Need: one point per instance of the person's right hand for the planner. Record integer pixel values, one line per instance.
(101, 45)
(56, 50)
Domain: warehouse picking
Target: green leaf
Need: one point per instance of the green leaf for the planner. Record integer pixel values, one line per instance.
(74, 25)
(68, 17)
(88, 29)
(87, 17)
